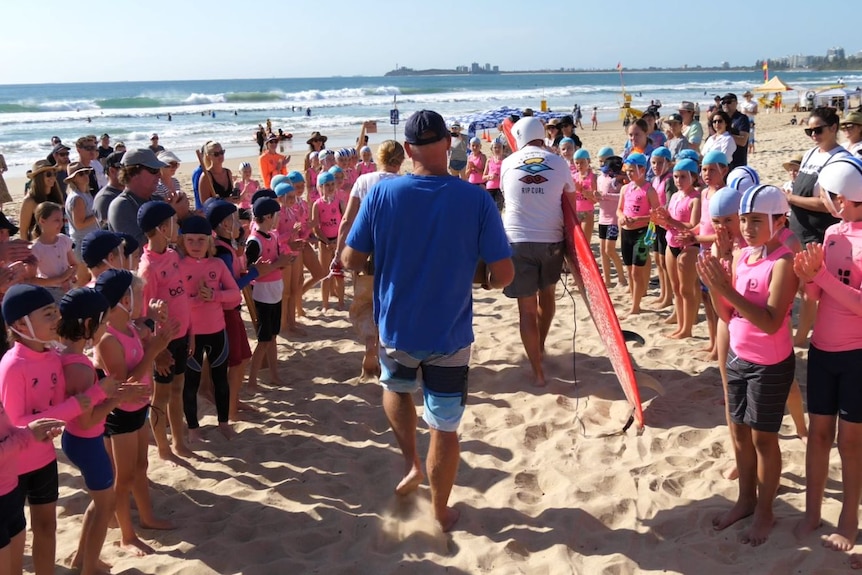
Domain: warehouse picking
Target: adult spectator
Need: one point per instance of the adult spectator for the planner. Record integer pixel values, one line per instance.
(721, 140)
(567, 130)
(168, 183)
(534, 181)
(750, 109)
(740, 129)
(271, 162)
(105, 148)
(852, 128)
(79, 212)
(44, 187)
(260, 138)
(111, 190)
(552, 133)
(316, 142)
(691, 128)
(425, 323)
(809, 216)
(154, 144)
(140, 176)
(59, 158)
(88, 155)
(458, 151)
(655, 135)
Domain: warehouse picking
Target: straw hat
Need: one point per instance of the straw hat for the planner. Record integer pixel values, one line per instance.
(793, 163)
(316, 136)
(39, 167)
(75, 168)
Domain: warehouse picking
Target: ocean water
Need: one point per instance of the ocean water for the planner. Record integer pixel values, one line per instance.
(230, 110)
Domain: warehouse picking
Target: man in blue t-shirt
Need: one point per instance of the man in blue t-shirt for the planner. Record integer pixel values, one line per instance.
(427, 232)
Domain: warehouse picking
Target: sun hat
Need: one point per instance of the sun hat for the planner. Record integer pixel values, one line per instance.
(605, 152)
(265, 206)
(854, 117)
(566, 120)
(686, 165)
(455, 125)
(764, 199)
(152, 214)
(582, 154)
(636, 159)
(724, 202)
(113, 284)
(794, 162)
(843, 177)
(316, 136)
(686, 106)
(283, 189)
(271, 138)
(528, 129)
(97, 245)
(714, 157)
(196, 225)
(425, 127)
(217, 210)
(5, 224)
(154, 136)
(76, 168)
(142, 157)
(661, 152)
(168, 157)
(742, 177)
(729, 97)
(295, 177)
(39, 167)
(23, 299)
(60, 148)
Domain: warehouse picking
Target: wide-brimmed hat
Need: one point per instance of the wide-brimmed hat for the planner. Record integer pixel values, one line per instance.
(39, 167)
(316, 136)
(686, 106)
(854, 117)
(76, 168)
(793, 162)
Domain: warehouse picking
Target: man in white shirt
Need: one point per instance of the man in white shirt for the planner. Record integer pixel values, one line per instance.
(534, 181)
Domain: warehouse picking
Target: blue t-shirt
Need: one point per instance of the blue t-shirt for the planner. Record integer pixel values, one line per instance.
(196, 180)
(427, 234)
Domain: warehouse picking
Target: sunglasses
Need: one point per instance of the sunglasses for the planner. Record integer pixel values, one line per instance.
(89, 148)
(555, 127)
(716, 122)
(152, 171)
(50, 174)
(174, 165)
(63, 154)
(848, 126)
(217, 154)
(816, 130)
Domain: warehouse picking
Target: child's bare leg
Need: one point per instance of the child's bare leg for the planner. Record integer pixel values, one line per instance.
(807, 313)
(821, 435)
(797, 412)
(768, 477)
(158, 420)
(235, 376)
(176, 417)
(272, 359)
(850, 449)
(746, 461)
(125, 450)
(141, 486)
(256, 362)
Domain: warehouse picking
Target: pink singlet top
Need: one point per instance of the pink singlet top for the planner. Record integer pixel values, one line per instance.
(134, 348)
(72, 426)
(659, 184)
(679, 209)
(706, 227)
(636, 203)
(609, 199)
(588, 182)
(478, 161)
(286, 233)
(362, 168)
(747, 341)
(311, 184)
(494, 168)
(268, 253)
(329, 215)
(303, 216)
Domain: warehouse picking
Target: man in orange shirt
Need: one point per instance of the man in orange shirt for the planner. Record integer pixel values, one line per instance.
(271, 162)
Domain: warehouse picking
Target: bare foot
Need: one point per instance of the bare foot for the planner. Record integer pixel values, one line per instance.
(448, 521)
(634, 311)
(101, 566)
(731, 473)
(226, 430)
(157, 524)
(671, 320)
(296, 330)
(170, 458)
(740, 510)
(539, 382)
(183, 451)
(844, 538)
(760, 528)
(805, 527)
(195, 435)
(410, 482)
(137, 547)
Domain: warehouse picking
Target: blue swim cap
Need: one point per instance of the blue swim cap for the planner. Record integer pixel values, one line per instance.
(582, 154)
(325, 178)
(295, 177)
(715, 157)
(475, 140)
(686, 166)
(276, 180)
(724, 202)
(661, 152)
(637, 159)
(283, 189)
(567, 141)
(606, 152)
(688, 154)
(335, 170)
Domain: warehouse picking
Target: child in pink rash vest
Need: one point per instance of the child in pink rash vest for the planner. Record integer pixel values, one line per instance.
(211, 286)
(32, 387)
(159, 269)
(833, 276)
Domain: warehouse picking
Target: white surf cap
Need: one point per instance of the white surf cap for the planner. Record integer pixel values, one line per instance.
(764, 199)
(843, 177)
(528, 129)
(742, 177)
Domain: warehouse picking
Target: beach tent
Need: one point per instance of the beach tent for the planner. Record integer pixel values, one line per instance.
(775, 84)
(837, 98)
(490, 119)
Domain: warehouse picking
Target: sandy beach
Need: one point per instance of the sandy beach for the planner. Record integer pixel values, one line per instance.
(547, 484)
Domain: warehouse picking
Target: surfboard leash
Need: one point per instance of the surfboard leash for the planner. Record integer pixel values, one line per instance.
(566, 291)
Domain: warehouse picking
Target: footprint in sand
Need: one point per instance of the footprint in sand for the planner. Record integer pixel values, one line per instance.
(514, 419)
(534, 435)
(516, 550)
(528, 488)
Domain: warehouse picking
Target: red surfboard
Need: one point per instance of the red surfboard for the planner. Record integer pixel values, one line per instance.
(586, 272)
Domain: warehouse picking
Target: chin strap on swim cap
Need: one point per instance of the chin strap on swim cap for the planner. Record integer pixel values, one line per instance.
(32, 336)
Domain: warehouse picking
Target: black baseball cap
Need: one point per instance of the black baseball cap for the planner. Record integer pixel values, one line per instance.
(729, 97)
(425, 127)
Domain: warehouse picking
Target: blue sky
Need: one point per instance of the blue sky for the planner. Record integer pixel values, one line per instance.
(54, 41)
